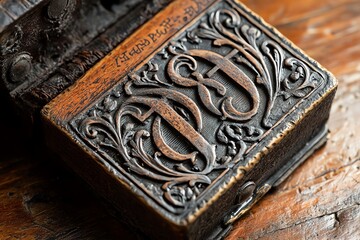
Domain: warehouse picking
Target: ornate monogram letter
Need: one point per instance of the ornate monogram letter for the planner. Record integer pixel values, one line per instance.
(196, 109)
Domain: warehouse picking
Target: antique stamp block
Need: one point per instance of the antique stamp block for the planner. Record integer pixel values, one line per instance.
(193, 118)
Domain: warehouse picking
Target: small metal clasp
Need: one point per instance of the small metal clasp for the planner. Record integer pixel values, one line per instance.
(249, 194)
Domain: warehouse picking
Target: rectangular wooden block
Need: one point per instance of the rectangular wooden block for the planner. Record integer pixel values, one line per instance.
(193, 118)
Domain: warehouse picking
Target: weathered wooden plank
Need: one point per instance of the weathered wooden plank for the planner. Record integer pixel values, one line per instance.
(307, 211)
(39, 199)
(325, 30)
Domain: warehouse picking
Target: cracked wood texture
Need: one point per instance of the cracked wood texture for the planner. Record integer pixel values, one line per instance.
(41, 199)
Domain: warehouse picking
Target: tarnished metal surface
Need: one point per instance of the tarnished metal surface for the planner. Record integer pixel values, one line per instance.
(11, 10)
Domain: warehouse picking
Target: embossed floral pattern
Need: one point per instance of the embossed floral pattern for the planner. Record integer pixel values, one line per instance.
(157, 126)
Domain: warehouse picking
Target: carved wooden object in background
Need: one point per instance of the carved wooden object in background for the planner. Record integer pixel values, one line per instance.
(55, 42)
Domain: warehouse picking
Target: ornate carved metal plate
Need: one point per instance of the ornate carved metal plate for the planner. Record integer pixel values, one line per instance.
(199, 113)
(197, 107)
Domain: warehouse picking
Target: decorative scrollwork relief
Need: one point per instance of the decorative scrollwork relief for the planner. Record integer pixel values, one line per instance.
(196, 107)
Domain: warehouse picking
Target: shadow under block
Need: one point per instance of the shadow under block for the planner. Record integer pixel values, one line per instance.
(192, 118)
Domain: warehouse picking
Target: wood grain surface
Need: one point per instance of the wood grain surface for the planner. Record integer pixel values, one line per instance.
(41, 199)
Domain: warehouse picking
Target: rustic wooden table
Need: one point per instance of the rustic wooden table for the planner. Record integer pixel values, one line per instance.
(41, 199)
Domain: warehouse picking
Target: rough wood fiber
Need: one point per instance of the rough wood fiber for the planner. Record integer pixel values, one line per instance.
(320, 200)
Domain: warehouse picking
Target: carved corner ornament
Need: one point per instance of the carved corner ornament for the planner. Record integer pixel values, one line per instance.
(199, 107)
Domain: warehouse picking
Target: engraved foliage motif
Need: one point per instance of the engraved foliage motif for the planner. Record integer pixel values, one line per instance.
(177, 123)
